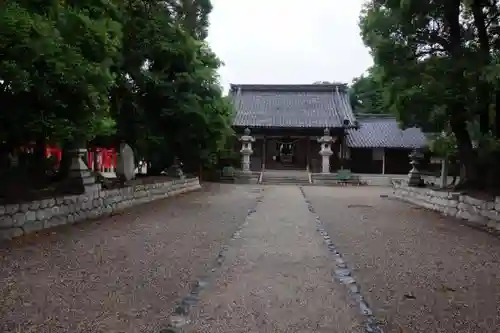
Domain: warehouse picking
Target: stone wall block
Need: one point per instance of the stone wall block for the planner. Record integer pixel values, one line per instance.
(24, 207)
(33, 226)
(492, 215)
(11, 233)
(11, 209)
(6, 221)
(52, 222)
(34, 205)
(452, 203)
(55, 211)
(70, 218)
(471, 201)
(497, 203)
(30, 216)
(464, 207)
(450, 211)
(40, 214)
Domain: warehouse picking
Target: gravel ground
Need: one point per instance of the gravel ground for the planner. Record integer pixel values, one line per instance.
(420, 272)
(120, 274)
(277, 276)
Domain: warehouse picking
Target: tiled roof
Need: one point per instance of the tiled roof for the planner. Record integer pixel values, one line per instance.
(293, 106)
(384, 132)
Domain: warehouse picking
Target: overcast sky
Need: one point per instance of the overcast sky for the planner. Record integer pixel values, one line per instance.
(288, 41)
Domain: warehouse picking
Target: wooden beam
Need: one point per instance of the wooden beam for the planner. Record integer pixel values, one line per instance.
(383, 161)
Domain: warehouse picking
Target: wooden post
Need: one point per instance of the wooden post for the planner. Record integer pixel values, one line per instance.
(383, 161)
(264, 153)
(308, 150)
(341, 147)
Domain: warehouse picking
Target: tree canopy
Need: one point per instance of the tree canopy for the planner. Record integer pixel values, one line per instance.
(366, 94)
(437, 64)
(105, 71)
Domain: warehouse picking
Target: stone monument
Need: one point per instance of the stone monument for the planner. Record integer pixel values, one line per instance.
(326, 150)
(80, 177)
(125, 164)
(246, 150)
(175, 169)
(414, 176)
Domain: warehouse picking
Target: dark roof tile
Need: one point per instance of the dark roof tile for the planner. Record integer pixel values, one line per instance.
(295, 106)
(384, 132)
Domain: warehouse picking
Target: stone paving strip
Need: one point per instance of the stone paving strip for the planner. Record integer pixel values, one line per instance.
(344, 274)
(420, 272)
(277, 276)
(124, 273)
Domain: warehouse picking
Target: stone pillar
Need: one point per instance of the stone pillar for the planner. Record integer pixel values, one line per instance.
(414, 176)
(246, 150)
(326, 150)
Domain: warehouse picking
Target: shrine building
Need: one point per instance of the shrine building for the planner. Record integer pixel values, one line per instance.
(287, 121)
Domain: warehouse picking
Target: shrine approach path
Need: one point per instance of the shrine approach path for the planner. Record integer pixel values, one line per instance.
(241, 258)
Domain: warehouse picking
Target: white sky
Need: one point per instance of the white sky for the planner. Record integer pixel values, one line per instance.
(288, 41)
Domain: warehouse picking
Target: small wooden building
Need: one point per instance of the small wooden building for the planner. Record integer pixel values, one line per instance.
(287, 120)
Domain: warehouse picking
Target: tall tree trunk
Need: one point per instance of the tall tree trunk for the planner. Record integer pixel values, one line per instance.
(466, 154)
(456, 107)
(497, 113)
(483, 88)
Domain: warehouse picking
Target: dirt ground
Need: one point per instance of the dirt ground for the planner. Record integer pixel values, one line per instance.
(420, 272)
(119, 274)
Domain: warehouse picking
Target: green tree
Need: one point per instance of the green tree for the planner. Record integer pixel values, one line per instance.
(366, 94)
(106, 71)
(54, 75)
(55, 69)
(167, 101)
(436, 69)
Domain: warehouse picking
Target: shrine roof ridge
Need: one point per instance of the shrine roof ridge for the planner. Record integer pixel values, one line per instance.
(333, 87)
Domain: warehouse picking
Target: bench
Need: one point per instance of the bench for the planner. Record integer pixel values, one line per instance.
(345, 177)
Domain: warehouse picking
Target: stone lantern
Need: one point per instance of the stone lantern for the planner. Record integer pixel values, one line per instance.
(246, 150)
(80, 178)
(326, 150)
(414, 176)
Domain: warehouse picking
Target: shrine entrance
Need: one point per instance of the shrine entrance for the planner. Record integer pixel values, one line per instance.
(286, 153)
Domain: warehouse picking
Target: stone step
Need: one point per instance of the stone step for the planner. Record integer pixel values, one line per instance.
(285, 181)
(285, 177)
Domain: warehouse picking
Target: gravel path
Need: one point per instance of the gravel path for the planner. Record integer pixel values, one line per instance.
(119, 274)
(419, 271)
(277, 276)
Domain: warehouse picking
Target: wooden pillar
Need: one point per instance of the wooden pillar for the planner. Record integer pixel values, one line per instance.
(343, 149)
(308, 151)
(383, 161)
(341, 153)
(264, 153)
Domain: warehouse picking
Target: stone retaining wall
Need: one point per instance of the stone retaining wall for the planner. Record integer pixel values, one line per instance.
(479, 212)
(20, 219)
